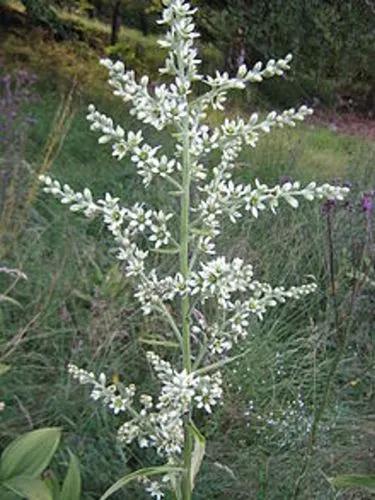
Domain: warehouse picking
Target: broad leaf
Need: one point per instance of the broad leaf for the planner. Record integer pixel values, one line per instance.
(71, 488)
(28, 487)
(354, 481)
(147, 472)
(198, 452)
(30, 454)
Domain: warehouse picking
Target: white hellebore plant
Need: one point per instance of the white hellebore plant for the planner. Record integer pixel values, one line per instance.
(206, 196)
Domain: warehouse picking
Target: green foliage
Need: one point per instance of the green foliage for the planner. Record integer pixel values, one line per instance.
(41, 13)
(28, 487)
(29, 454)
(25, 459)
(331, 43)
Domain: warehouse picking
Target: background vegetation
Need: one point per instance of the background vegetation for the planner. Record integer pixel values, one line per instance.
(63, 298)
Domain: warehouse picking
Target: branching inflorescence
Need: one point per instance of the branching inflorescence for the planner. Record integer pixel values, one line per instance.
(207, 195)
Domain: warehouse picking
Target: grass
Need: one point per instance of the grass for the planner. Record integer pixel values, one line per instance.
(76, 307)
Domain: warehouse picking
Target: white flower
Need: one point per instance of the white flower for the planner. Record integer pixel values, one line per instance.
(206, 245)
(139, 219)
(154, 490)
(117, 405)
(160, 234)
(144, 155)
(209, 392)
(119, 149)
(180, 285)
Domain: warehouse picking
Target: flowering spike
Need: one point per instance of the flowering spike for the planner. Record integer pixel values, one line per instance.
(180, 295)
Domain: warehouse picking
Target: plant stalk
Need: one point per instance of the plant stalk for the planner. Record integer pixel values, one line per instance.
(185, 301)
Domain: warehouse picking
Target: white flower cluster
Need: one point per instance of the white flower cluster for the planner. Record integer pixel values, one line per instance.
(222, 281)
(221, 83)
(226, 197)
(144, 156)
(220, 337)
(166, 106)
(219, 278)
(124, 223)
(151, 291)
(180, 389)
(110, 133)
(179, 40)
(101, 391)
(158, 425)
(154, 488)
(263, 196)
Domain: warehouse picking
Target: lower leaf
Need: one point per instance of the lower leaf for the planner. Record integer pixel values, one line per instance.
(28, 487)
(147, 472)
(198, 453)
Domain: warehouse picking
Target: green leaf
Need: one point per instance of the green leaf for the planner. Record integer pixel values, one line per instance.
(30, 454)
(198, 452)
(29, 487)
(4, 368)
(354, 481)
(147, 472)
(71, 488)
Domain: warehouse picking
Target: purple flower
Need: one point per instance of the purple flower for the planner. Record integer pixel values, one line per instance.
(367, 202)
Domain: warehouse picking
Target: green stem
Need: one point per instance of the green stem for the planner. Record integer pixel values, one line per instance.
(184, 249)
(185, 302)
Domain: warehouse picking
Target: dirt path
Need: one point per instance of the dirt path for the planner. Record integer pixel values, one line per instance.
(346, 123)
